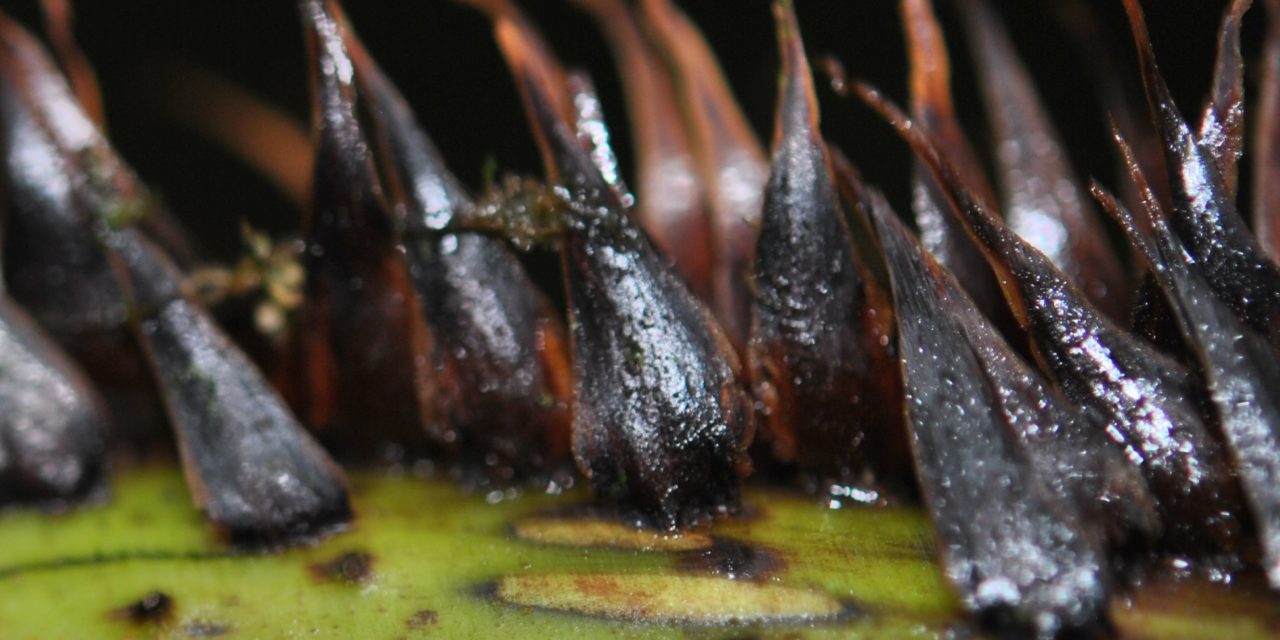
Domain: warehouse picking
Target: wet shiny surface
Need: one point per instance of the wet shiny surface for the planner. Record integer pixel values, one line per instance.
(669, 189)
(1020, 558)
(1204, 214)
(1222, 118)
(57, 268)
(661, 423)
(1081, 464)
(60, 276)
(500, 357)
(1147, 406)
(58, 173)
(1151, 410)
(1240, 371)
(52, 423)
(253, 470)
(830, 386)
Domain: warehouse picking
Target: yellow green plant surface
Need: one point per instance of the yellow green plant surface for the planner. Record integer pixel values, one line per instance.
(426, 560)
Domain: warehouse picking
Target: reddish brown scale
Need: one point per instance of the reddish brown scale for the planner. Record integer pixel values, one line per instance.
(60, 23)
(543, 66)
(931, 106)
(730, 159)
(1266, 141)
(661, 424)
(930, 83)
(502, 362)
(669, 190)
(1222, 118)
(1121, 100)
(826, 381)
(1043, 201)
(357, 366)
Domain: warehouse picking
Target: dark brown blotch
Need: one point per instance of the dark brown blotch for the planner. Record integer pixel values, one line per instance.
(153, 608)
(733, 560)
(421, 619)
(350, 567)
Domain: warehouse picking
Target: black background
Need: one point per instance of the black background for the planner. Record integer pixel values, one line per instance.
(442, 56)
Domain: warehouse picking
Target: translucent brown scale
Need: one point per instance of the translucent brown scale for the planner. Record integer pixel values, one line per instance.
(933, 108)
(1074, 415)
(356, 367)
(1042, 199)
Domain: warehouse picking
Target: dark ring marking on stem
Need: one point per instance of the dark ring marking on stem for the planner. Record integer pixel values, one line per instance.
(24, 568)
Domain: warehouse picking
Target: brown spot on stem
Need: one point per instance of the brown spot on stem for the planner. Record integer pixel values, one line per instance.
(351, 567)
(422, 619)
(733, 560)
(154, 608)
